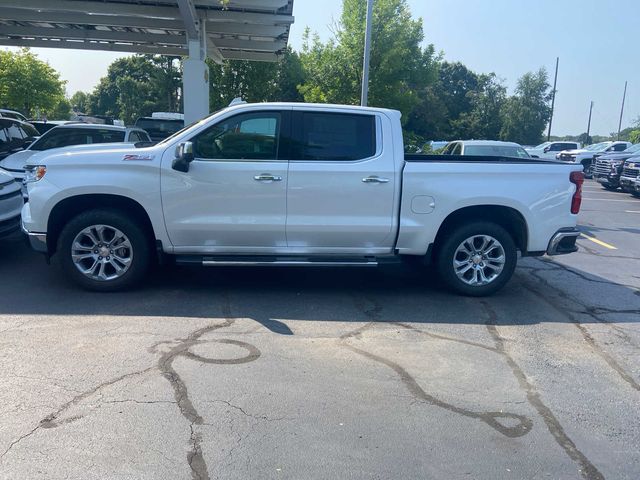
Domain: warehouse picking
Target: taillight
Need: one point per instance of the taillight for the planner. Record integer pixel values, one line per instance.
(577, 178)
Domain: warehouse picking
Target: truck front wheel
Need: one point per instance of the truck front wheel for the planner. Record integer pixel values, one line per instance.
(104, 250)
(477, 259)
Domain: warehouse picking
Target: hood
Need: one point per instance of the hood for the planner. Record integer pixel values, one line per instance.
(5, 178)
(575, 152)
(616, 156)
(16, 161)
(81, 153)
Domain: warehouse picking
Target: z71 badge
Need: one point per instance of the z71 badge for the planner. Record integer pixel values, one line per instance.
(132, 157)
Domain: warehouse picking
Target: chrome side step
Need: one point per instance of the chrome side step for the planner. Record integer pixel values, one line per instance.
(287, 262)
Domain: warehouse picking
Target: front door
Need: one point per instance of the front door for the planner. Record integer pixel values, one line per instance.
(233, 198)
(342, 184)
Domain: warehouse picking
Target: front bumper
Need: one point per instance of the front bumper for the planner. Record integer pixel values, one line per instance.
(607, 180)
(563, 242)
(38, 241)
(7, 227)
(628, 182)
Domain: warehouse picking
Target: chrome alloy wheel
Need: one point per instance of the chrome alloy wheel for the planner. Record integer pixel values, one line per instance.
(101, 252)
(479, 260)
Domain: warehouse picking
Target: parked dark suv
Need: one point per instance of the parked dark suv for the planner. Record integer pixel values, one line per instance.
(608, 167)
(15, 136)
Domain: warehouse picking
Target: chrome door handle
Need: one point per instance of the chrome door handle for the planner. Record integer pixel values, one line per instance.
(267, 177)
(375, 179)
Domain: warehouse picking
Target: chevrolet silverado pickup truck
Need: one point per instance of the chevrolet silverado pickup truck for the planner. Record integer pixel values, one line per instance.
(290, 184)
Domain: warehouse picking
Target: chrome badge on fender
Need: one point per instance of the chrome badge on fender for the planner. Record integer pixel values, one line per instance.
(132, 157)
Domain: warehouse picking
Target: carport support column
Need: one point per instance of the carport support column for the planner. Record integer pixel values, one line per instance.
(195, 80)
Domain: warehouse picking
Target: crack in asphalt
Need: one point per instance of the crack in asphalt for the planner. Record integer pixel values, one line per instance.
(595, 347)
(523, 426)
(195, 457)
(587, 469)
(52, 421)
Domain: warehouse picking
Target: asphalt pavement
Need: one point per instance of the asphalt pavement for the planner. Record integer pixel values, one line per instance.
(329, 373)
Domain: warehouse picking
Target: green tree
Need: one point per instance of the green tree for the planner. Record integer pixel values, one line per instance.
(399, 66)
(255, 81)
(80, 101)
(137, 86)
(28, 84)
(526, 114)
(483, 120)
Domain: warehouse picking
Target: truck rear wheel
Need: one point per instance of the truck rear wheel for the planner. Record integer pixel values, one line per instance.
(104, 250)
(477, 259)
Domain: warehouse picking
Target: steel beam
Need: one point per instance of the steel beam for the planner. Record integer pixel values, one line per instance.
(83, 34)
(112, 47)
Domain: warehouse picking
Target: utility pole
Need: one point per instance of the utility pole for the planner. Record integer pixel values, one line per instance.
(589, 124)
(553, 99)
(367, 51)
(624, 97)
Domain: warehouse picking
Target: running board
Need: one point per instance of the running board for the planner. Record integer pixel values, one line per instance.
(287, 262)
(276, 261)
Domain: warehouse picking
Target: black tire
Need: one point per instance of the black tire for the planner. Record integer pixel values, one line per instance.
(587, 168)
(445, 252)
(137, 237)
(610, 188)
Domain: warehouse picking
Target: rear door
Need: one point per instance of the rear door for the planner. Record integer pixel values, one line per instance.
(342, 181)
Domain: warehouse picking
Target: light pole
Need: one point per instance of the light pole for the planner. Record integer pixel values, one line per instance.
(367, 51)
(624, 97)
(586, 140)
(553, 99)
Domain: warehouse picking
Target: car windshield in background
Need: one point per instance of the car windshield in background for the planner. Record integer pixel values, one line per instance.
(496, 151)
(542, 145)
(633, 149)
(596, 147)
(65, 137)
(160, 127)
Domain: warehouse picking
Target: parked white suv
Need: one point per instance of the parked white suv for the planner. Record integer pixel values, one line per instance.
(551, 149)
(290, 184)
(68, 135)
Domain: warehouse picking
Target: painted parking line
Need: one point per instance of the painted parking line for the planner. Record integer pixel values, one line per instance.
(598, 242)
(632, 211)
(608, 200)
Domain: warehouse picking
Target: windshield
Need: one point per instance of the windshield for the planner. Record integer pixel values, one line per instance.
(633, 148)
(598, 146)
(497, 151)
(542, 145)
(157, 127)
(66, 137)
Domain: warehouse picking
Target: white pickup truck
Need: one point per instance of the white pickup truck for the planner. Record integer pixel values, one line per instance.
(296, 185)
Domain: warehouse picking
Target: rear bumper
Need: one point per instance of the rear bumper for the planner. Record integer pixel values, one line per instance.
(563, 242)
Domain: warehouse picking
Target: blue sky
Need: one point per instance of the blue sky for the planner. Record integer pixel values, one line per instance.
(595, 39)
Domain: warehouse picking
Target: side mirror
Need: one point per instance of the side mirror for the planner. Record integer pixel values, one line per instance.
(546, 149)
(184, 156)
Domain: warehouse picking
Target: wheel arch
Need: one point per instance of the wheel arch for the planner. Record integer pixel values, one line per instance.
(507, 217)
(70, 207)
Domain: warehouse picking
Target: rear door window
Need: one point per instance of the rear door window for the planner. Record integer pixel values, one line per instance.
(334, 136)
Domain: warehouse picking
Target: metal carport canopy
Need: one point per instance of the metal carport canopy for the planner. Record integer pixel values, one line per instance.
(235, 29)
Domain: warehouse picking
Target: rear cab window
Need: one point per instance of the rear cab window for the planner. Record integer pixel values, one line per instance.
(333, 136)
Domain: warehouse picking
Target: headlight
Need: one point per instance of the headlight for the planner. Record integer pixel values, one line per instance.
(34, 173)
